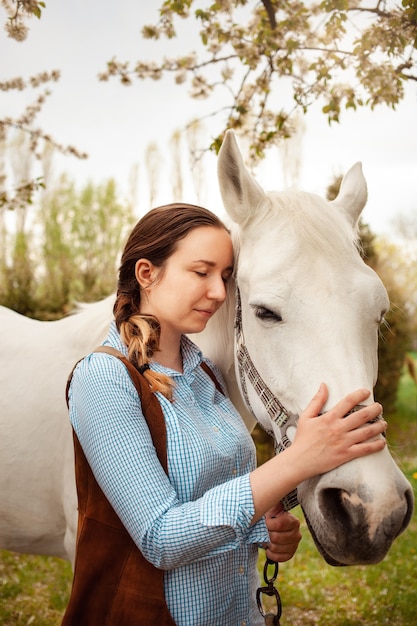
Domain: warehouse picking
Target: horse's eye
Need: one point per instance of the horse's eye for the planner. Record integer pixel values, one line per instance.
(267, 315)
(382, 319)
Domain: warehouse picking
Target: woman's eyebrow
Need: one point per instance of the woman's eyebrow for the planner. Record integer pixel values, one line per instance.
(212, 264)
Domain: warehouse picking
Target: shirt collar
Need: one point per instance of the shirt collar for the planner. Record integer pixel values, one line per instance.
(191, 355)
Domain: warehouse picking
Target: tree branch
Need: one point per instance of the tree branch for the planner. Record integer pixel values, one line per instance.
(270, 10)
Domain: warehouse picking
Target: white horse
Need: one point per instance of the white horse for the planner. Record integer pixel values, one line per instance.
(309, 312)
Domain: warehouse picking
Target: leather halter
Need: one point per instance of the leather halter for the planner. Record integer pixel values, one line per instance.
(279, 415)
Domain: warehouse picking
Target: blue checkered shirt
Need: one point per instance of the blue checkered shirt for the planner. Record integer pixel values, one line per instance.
(194, 523)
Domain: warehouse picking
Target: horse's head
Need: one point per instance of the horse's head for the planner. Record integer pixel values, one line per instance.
(310, 311)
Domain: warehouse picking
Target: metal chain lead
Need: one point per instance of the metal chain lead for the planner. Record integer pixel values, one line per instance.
(271, 619)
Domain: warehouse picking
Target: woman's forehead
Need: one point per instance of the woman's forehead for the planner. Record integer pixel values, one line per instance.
(206, 236)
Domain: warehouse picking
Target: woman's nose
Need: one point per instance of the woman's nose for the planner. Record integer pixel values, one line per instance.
(217, 289)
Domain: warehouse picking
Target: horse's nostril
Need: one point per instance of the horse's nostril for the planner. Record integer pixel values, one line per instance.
(344, 509)
(348, 511)
(331, 504)
(409, 496)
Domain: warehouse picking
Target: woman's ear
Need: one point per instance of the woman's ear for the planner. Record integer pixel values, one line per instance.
(145, 273)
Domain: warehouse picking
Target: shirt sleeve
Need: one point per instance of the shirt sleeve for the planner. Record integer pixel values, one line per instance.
(106, 415)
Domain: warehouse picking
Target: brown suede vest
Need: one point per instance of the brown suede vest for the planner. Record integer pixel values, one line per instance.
(113, 584)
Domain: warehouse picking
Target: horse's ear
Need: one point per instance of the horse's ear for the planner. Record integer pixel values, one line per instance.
(240, 192)
(353, 193)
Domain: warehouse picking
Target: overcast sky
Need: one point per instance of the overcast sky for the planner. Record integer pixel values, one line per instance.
(115, 124)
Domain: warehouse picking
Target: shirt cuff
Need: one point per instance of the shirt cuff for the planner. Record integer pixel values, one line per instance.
(231, 504)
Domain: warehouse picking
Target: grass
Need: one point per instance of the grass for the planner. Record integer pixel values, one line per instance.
(34, 589)
(403, 424)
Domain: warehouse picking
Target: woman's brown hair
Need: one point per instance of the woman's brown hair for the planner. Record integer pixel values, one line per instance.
(155, 237)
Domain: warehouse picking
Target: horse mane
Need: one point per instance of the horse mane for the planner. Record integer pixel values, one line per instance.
(318, 224)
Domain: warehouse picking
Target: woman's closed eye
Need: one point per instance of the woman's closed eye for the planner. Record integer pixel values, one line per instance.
(225, 278)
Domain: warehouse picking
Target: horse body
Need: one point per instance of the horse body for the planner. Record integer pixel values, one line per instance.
(38, 501)
(310, 313)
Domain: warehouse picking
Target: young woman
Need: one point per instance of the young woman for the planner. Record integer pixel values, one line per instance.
(199, 518)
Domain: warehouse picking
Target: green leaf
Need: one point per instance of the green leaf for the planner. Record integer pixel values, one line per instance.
(36, 11)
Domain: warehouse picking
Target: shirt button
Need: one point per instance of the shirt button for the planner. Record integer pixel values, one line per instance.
(244, 623)
(241, 570)
(215, 428)
(234, 472)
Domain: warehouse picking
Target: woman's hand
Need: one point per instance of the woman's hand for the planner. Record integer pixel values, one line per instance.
(284, 534)
(331, 439)
(322, 442)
